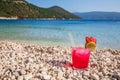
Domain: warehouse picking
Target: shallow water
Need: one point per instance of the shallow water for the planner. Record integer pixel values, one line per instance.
(55, 32)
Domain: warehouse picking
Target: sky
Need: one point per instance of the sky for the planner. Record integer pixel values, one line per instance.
(80, 5)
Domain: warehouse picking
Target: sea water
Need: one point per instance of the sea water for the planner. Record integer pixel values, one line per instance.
(55, 32)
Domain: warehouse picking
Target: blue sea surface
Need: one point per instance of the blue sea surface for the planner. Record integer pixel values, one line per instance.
(55, 32)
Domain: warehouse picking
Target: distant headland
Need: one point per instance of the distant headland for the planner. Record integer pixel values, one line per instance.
(99, 15)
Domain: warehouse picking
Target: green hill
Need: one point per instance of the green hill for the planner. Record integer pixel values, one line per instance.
(23, 9)
(65, 14)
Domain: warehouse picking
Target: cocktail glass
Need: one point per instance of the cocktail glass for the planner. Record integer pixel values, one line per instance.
(80, 57)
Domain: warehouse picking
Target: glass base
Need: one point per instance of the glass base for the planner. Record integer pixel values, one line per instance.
(81, 69)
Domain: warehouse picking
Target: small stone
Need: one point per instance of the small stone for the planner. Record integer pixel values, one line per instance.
(74, 78)
(44, 69)
(5, 79)
(13, 77)
(75, 73)
(16, 73)
(30, 59)
(53, 78)
(35, 79)
(1, 67)
(66, 75)
(60, 74)
(20, 78)
(86, 73)
(118, 66)
(80, 78)
(47, 77)
(44, 72)
(28, 76)
(41, 65)
(94, 76)
(104, 79)
(116, 76)
(104, 72)
(108, 60)
(23, 72)
(100, 74)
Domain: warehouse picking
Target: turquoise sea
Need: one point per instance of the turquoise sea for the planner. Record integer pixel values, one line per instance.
(55, 32)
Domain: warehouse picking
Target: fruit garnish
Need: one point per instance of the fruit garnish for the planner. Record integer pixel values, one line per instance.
(90, 39)
(90, 45)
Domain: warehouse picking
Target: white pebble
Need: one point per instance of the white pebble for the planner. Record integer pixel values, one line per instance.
(94, 76)
(28, 76)
(47, 77)
(23, 72)
(20, 78)
(13, 77)
(86, 73)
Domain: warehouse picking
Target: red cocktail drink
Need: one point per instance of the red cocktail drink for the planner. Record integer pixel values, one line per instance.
(80, 57)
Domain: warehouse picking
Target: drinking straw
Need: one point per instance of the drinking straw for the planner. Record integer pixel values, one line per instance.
(71, 39)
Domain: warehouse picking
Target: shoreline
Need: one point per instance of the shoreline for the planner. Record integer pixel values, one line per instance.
(8, 18)
(17, 18)
(54, 44)
(35, 62)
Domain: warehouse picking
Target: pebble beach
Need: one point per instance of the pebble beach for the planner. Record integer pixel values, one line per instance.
(22, 61)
